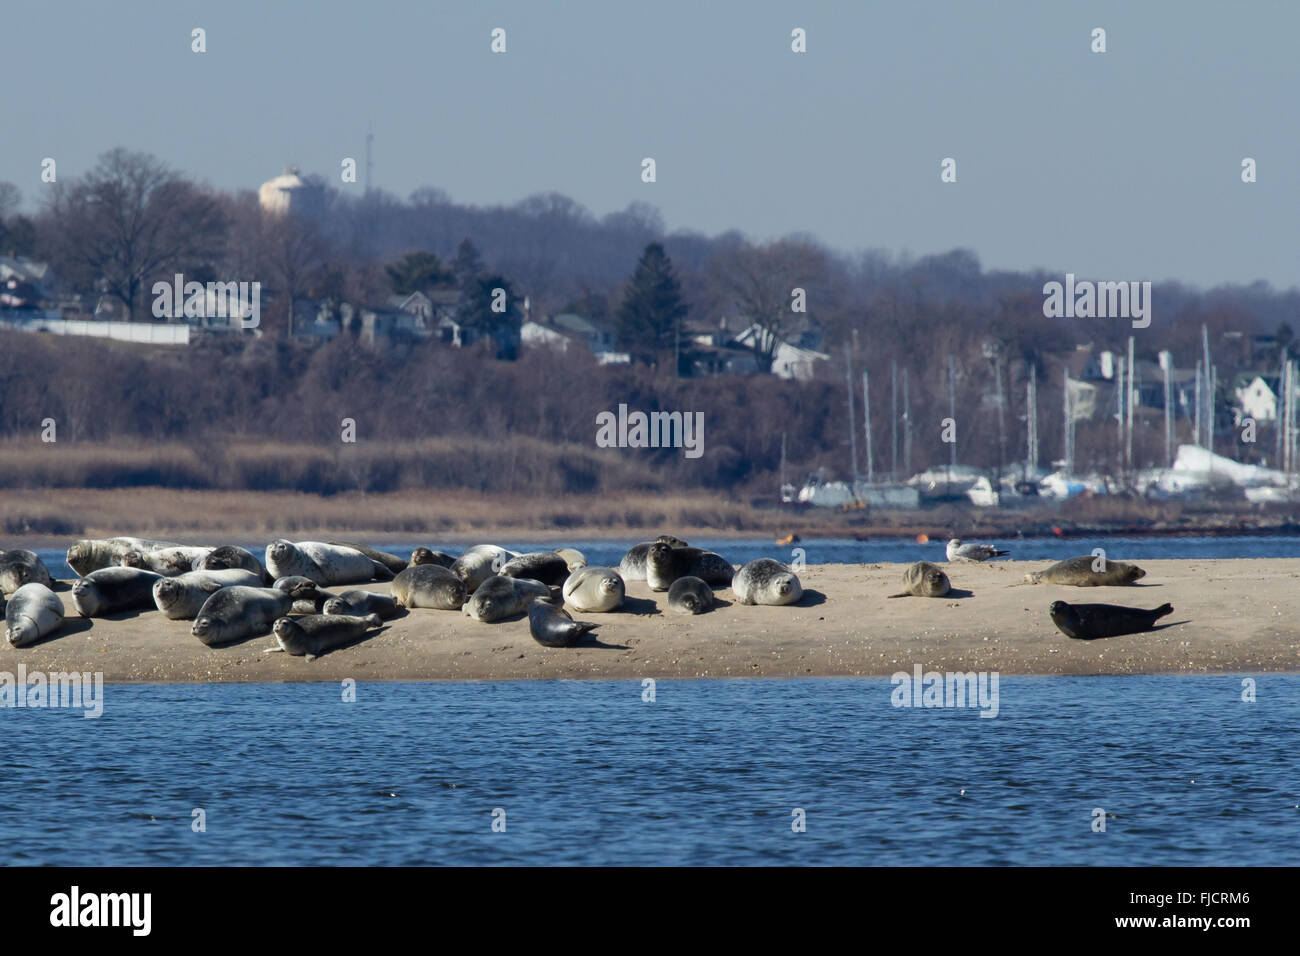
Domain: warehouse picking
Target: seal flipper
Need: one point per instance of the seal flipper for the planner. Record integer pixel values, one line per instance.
(1161, 611)
(904, 594)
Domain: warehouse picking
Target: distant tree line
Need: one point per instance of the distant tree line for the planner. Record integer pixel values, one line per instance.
(131, 220)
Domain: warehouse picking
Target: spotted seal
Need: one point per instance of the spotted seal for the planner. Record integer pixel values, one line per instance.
(551, 625)
(33, 612)
(234, 613)
(924, 579)
(576, 559)
(316, 634)
(664, 564)
(765, 581)
(428, 556)
(690, 595)
(19, 567)
(593, 589)
(359, 603)
(1081, 572)
(323, 563)
(500, 597)
(180, 597)
(1087, 622)
(232, 556)
(429, 585)
(168, 562)
(632, 567)
(545, 566)
(110, 590)
(91, 554)
(391, 561)
(479, 563)
(308, 596)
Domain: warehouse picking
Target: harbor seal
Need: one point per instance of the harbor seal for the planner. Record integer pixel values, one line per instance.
(690, 595)
(765, 581)
(168, 562)
(33, 612)
(632, 567)
(91, 554)
(594, 589)
(500, 597)
(238, 612)
(575, 559)
(180, 597)
(545, 566)
(1078, 572)
(391, 561)
(429, 585)
(551, 625)
(427, 556)
(19, 567)
(323, 563)
(924, 579)
(308, 596)
(315, 634)
(479, 563)
(360, 603)
(110, 590)
(664, 564)
(971, 552)
(1087, 622)
(230, 556)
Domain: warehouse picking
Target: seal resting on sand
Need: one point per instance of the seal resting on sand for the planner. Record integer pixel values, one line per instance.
(19, 567)
(664, 564)
(500, 597)
(1087, 622)
(181, 597)
(314, 634)
(632, 567)
(429, 585)
(765, 581)
(551, 625)
(359, 603)
(924, 579)
(326, 564)
(238, 612)
(1082, 572)
(110, 590)
(33, 612)
(690, 595)
(592, 589)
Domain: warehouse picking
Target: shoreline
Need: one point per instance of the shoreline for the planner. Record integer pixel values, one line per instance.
(50, 516)
(1232, 616)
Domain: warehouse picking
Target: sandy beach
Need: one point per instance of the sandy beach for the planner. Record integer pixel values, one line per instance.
(1229, 616)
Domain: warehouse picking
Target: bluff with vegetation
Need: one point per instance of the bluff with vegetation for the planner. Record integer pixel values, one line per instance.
(266, 412)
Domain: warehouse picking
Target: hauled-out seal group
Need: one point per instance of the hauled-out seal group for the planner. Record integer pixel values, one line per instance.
(230, 594)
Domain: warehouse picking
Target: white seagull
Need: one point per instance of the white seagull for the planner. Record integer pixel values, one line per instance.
(972, 552)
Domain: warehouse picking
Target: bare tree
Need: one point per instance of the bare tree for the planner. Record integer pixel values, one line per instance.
(760, 282)
(129, 220)
(295, 252)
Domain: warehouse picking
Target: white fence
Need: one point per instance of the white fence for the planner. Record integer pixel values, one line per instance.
(148, 332)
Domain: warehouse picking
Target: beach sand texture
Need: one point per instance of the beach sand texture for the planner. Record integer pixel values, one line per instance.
(1229, 616)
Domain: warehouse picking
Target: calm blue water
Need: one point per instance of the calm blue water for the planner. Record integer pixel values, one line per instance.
(709, 773)
(846, 551)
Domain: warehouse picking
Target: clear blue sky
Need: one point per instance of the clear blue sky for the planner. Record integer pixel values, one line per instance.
(1123, 165)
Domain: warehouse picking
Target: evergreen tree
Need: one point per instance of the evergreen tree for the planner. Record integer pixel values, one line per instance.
(479, 317)
(418, 272)
(652, 310)
(468, 264)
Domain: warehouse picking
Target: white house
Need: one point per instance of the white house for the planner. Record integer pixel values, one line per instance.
(1256, 399)
(788, 361)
